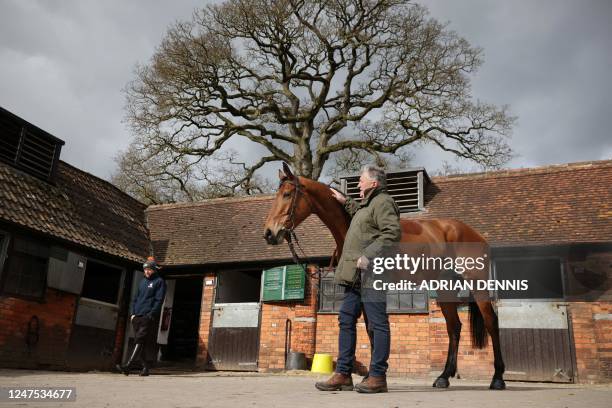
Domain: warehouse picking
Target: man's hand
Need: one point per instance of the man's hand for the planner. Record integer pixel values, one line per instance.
(338, 196)
(363, 262)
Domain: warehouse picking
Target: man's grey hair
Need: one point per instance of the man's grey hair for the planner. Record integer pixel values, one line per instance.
(375, 174)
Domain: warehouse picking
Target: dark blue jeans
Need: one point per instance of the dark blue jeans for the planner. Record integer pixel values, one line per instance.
(375, 308)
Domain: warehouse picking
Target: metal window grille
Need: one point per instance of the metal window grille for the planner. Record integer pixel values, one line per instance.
(331, 295)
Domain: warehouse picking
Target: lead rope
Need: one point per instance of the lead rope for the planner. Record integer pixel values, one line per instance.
(296, 258)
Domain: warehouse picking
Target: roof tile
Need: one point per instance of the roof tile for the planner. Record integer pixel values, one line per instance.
(539, 206)
(79, 207)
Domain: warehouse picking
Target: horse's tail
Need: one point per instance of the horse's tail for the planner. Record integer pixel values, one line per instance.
(479, 331)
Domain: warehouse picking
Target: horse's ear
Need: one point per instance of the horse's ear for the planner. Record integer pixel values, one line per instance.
(281, 175)
(287, 171)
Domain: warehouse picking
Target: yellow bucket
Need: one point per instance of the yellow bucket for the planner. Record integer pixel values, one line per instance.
(322, 363)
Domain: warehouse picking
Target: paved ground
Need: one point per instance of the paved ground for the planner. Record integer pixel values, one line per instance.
(293, 390)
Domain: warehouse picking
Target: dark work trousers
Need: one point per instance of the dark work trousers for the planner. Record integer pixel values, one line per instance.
(374, 304)
(145, 334)
(143, 329)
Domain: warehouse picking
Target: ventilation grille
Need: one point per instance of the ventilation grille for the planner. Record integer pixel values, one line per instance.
(406, 187)
(10, 135)
(28, 148)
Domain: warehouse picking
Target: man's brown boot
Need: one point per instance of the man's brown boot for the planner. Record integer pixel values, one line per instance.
(372, 384)
(337, 382)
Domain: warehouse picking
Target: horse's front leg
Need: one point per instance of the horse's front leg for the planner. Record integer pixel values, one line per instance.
(453, 328)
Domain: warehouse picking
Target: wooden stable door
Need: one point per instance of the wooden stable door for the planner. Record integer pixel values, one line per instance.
(534, 329)
(535, 341)
(234, 337)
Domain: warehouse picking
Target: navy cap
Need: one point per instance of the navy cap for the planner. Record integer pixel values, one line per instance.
(150, 264)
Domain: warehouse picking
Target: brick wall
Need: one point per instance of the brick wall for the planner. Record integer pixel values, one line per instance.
(274, 316)
(419, 345)
(592, 332)
(55, 315)
(419, 342)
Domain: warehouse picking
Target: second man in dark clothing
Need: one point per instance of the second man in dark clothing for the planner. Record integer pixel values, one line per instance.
(146, 308)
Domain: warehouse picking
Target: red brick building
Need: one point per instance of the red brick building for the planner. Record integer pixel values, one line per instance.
(71, 245)
(556, 218)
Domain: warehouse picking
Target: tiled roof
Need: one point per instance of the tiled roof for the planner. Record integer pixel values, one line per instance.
(567, 203)
(79, 208)
(226, 230)
(539, 206)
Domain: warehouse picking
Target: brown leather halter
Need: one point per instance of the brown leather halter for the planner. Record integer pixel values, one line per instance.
(292, 236)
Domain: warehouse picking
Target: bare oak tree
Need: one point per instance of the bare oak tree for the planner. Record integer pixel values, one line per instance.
(309, 81)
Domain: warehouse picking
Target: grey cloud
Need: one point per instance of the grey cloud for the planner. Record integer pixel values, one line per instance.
(64, 63)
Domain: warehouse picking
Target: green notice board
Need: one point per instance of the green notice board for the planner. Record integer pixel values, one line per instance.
(284, 283)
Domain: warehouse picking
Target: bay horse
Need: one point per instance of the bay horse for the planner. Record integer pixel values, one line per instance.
(299, 197)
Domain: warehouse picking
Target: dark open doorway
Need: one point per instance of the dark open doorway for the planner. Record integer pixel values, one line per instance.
(183, 337)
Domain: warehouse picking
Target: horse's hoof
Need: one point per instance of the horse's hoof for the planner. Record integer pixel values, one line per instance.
(441, 382)
(497, 384)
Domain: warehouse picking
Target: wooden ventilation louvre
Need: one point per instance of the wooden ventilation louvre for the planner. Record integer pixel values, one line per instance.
(27, 147)
(405, 186)
(10, 135)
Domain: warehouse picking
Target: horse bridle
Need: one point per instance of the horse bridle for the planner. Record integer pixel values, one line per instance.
(292, 236)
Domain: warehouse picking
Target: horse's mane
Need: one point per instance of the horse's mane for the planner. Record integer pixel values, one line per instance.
(324, 191)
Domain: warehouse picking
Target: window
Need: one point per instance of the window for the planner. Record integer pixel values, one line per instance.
(544, 277)
(25, 269)
(331, 295)
(238, 286)
(404, 301)
(102, 282)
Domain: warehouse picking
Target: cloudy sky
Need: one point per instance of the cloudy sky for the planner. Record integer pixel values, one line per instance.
(63, 64)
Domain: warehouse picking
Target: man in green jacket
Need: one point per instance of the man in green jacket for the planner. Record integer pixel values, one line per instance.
(374, 227)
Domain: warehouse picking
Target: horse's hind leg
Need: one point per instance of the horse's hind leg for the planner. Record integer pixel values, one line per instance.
(492, 326)
(453, 328)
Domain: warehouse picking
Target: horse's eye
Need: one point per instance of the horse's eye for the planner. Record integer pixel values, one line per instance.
(287, 194)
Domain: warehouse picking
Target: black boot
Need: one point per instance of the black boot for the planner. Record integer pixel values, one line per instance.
(125, 369)
(143, 360)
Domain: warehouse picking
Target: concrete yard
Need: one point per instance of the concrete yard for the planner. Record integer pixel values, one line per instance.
(187, 390)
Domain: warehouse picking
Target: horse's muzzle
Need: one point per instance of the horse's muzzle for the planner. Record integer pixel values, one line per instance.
(272, 238)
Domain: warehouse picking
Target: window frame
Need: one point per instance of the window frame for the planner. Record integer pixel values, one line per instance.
(8, 250)
(562, 270)
(120, 293)
(329, 277)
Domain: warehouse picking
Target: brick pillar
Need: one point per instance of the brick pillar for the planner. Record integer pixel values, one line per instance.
(208, 299)
(592, 332)
(602, 317)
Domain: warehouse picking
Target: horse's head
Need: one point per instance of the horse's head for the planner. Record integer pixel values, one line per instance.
(289, 208)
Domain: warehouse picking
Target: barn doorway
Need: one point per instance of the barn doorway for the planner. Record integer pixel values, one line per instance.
(92, 338)
(234, 336)
(534, 329)
(184, 324)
